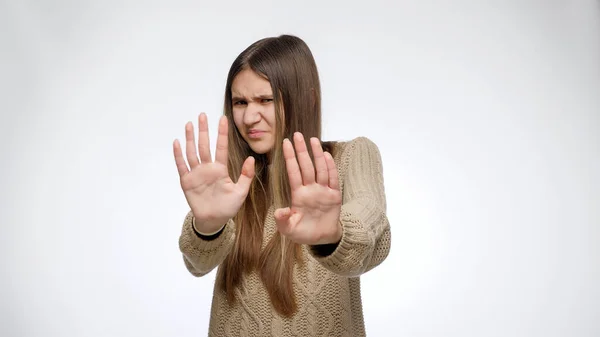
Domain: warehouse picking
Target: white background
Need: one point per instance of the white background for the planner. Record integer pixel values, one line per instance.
(487, 114)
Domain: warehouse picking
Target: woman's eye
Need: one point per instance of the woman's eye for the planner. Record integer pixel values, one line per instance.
(239, 103)
(267, 100)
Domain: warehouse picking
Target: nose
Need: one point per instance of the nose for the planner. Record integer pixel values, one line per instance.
(252, 114)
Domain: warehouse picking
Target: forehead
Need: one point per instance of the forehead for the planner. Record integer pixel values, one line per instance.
(249, 83)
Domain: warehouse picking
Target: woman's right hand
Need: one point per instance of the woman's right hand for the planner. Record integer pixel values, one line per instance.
(211, 194)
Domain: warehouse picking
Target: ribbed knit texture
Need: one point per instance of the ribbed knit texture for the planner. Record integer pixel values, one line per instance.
(327, 288)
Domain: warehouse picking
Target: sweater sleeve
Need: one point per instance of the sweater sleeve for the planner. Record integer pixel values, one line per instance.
(366, 236)
(201, 256)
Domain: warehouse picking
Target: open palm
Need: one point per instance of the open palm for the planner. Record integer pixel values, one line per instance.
(313, 216)
(211, 194)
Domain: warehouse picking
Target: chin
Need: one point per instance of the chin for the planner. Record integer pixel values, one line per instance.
(260, 148)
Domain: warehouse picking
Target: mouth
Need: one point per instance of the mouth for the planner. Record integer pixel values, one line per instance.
(255, 134)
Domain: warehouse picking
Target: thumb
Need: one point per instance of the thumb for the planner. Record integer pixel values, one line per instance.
(282, 217)
(247, 175)
(282, 214)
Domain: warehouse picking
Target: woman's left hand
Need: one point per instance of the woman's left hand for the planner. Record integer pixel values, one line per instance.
(314, 215)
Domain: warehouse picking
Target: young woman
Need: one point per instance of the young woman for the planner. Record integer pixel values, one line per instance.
(291, 222)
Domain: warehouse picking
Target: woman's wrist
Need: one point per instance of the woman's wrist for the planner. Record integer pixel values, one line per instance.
(205, 235)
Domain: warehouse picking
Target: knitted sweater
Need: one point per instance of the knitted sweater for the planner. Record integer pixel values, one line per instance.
(327, 288)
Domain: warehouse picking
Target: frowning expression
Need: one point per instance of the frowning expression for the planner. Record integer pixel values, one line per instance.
(254, 110)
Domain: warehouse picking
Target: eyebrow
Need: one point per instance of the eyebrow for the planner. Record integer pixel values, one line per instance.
(239, 98)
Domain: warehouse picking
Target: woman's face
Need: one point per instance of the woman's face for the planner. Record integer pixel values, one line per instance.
(254, 110)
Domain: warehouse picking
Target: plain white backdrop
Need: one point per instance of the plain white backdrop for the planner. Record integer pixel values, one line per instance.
(487, 115)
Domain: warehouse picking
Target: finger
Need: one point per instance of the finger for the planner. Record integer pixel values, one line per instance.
(245, 179)
(222, 141)
(306, 165)
(291, 165)
(286, 220)
(179, 160)
(333, 173)
(320, 164)
(203, 139)
(190, 145)
(294, 220)
(282, 214)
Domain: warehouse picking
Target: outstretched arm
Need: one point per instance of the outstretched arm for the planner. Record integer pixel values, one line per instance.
(202, 254)
(366, 236)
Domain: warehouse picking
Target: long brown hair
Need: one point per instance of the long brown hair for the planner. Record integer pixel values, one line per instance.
(288, 64)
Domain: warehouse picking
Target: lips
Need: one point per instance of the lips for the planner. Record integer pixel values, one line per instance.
(255, 133)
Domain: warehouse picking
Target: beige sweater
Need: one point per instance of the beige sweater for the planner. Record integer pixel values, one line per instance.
(327, 288)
